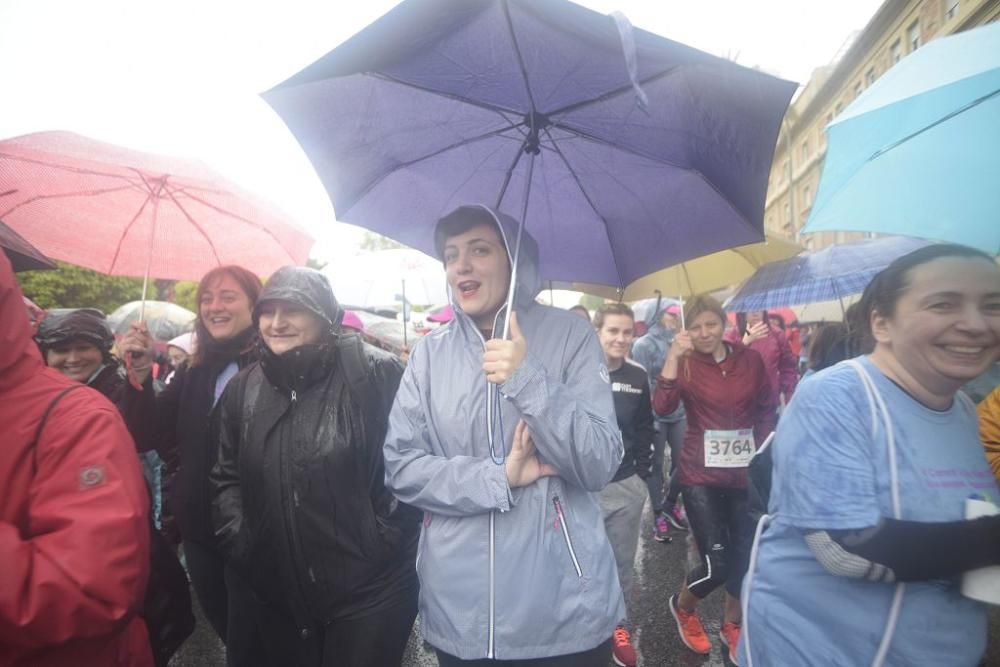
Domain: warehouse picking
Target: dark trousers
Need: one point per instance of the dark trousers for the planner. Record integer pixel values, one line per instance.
(595, 657)
(264, 636)
(207, 571)
(673, 433)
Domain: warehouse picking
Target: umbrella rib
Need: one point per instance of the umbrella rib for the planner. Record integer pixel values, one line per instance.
(63, 167)
(81, 193)
(194, 223)
(696, 172)
(118, 249)
(422, 158)
(956, 112)
(613, 93)
(451, 96)
(583, 191)
(520, 56)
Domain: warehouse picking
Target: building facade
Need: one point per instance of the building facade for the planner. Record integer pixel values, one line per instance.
(898, 28)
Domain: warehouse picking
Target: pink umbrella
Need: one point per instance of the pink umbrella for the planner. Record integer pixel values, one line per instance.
(122, 212)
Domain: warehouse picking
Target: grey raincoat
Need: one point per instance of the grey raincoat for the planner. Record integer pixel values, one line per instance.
(509, 573)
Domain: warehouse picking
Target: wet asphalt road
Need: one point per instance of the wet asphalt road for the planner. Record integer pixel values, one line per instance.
(660, 570)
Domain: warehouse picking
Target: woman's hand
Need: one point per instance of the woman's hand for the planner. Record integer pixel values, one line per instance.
(681, 346)
(139, 344)
(522, 464)
(503, 357)
(755, 332)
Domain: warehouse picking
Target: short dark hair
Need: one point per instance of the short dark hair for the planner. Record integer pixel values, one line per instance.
(884, 291)
(460, 221)
(611, 309)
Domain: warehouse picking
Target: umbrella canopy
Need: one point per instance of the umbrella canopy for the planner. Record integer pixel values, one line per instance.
(376, 279)
(917, 152)
(828, 274)
(621, 151)
(702, 274)
(22, 255)
(122, 212)
(164, 320)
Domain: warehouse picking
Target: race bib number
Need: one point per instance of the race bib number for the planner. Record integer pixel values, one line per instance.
(729, 449)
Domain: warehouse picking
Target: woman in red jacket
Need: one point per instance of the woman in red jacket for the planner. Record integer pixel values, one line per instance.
(730, 410)
(755, 331)
(74, 537)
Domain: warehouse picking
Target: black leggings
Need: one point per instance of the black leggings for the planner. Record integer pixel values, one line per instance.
(595, 657)
(723, 531)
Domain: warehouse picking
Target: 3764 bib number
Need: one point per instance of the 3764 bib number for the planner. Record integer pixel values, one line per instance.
(729, 449)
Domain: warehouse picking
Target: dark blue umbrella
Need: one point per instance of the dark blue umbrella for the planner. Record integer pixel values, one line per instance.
(622, 151)
(825, 275)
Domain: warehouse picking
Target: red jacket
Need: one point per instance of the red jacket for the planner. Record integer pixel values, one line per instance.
(733, 394)
(74, 535)
(782, 366)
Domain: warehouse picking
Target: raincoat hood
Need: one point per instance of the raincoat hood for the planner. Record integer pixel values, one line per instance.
(304, 287)
(528, 281)
(86, 324)
(19, 356)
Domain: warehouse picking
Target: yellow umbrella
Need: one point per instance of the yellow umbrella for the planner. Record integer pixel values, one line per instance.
(702, 274)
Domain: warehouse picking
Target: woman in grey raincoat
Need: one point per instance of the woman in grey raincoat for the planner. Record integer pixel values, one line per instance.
(502, 443)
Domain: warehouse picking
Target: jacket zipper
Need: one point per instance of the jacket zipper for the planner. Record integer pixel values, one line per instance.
(293, 534)
(565, 531)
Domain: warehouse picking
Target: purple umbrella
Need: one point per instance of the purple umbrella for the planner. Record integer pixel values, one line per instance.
(622, 152)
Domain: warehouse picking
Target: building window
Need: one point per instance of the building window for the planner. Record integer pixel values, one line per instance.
(870, 77)
(805, 150)
(788, 214)
(784, 171)
(913, 36)
(896, 51)
(951, 8)
(806, 197)
(857, 90)
(839, 108)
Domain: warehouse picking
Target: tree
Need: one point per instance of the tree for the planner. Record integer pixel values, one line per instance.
(73, 286)
(373, 241)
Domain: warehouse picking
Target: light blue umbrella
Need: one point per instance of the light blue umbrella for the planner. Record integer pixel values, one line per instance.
(829, 274)
(918, 153)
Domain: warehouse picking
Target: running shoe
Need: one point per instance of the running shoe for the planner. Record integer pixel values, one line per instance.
(675, 515)
(622, 651)
(730, 635)
(690, 629)
(661, 529)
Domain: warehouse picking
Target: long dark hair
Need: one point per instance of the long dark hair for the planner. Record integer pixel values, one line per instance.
(741, 321)
(208, 348)
(830, 345)
(884, 291)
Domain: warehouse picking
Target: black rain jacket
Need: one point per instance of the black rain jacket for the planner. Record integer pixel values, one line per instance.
(300, 505)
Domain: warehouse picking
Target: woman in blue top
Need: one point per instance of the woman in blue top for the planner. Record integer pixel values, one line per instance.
(840, 543)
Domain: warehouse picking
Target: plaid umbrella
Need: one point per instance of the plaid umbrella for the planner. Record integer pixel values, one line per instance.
(825, 275)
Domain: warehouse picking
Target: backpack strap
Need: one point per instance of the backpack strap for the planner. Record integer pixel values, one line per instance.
(41, 424)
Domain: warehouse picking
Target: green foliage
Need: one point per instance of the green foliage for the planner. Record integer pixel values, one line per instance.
(373, 241)
(184, 295)
(75, 287)
(314, 263)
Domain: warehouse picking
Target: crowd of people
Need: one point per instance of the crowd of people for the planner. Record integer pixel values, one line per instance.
(320, 493)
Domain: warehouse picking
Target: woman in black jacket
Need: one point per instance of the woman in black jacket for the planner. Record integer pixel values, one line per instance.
(179, 419)
(321, 555)
(78, 344)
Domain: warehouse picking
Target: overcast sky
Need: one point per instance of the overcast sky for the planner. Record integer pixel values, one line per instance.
(183, 77)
